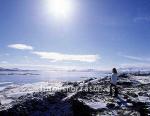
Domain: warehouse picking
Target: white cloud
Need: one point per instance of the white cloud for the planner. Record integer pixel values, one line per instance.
(141, 65)
(132, 57)
(54, 56)
(21, 46)
(136, 58)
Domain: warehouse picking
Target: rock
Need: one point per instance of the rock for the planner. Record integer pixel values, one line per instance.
(143, 94)
(110, 105)
(80, 109)
(132, 94)
(123, 75)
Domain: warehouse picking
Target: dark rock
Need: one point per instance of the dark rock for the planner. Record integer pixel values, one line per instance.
(80, 109)
(142, 108)
(142, 94)
(110, 105)
(88, 80)
(123, 75)
(124, 83)
(132, 94)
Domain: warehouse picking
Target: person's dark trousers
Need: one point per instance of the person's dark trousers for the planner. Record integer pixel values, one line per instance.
(116, 90)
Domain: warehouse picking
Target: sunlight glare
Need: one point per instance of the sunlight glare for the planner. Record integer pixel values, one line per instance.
(60, 8)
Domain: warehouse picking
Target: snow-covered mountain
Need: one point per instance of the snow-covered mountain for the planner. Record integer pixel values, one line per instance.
(135, 69)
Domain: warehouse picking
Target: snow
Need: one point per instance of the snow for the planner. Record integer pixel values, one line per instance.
(142, 79)
(11, 92)
(2, 88)
(4, 83)
(95, 105)
(69, 96)
(94, 81)
(144, 99)
(6, 101)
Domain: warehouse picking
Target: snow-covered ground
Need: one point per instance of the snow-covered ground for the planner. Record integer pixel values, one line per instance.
(100, 104)
(141, 79)
(132, 90)
(11, 92)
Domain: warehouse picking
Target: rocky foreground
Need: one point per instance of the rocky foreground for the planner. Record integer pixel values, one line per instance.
(84, 98)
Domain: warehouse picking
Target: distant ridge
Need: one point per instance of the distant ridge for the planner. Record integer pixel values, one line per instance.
(134, 69)
(13, 69)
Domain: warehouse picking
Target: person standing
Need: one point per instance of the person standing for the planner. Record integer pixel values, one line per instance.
(113, 82)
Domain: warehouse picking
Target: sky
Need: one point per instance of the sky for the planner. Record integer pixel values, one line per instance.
(74, 33)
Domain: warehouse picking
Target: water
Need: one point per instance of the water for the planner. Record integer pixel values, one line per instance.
(22, 77)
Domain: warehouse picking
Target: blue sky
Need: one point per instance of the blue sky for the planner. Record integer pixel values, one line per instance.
(89, 34)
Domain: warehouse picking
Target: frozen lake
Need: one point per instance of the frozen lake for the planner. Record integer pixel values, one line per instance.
(22, 77)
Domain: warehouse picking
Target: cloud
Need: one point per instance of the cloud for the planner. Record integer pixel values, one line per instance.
(142, 65)
(136, 58)
(54, 56)
(133, 57)
(21, 46)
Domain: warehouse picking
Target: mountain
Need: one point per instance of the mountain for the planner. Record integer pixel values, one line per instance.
(6, 69)
(13, 69)
(135, 69)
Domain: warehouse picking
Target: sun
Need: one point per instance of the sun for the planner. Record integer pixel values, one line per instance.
(60, 8)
